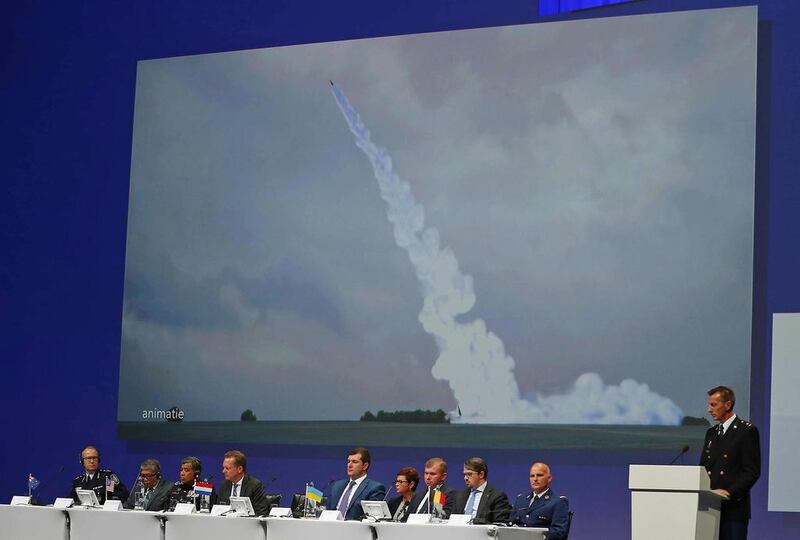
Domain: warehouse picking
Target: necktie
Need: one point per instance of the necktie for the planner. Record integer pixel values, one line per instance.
(343, 504)
(470, 502)
(720, 431)
(534, 499)
(147, 496)
(235, 490)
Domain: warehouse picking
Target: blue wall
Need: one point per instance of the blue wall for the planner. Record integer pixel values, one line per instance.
(68, 92)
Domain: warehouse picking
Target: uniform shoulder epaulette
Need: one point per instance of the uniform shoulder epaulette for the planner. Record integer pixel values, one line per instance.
(109, 472)
(79, 477)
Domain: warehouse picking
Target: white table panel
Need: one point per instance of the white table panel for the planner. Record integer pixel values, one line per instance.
(441, 531)
(33, 522)
(303, 529)
(94, 524)
(201, 526)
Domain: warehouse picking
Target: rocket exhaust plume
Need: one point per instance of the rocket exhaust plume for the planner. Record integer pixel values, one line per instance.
(472, 359)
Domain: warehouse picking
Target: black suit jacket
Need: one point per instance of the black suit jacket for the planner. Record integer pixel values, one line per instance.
(493, 507)
(251, 487)
(394, 503)
(733, 463)
(449, 493)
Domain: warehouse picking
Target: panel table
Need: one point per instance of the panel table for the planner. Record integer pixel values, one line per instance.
(34, 522)
(96, 524)
(197, 526)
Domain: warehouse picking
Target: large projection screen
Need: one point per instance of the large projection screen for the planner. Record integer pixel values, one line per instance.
(535, 235)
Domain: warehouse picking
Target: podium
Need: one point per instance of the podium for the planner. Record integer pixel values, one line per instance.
(672, 502)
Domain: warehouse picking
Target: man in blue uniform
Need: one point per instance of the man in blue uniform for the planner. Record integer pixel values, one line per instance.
(103, 482)
(541, 507)
(732, 456)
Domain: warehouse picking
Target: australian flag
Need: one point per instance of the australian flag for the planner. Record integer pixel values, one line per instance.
(33, 483)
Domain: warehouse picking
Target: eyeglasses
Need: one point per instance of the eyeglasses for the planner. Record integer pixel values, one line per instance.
(147, 475)
(401, 482)
(467, 474)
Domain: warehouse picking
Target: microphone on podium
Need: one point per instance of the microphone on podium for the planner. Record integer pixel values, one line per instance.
(683, 451)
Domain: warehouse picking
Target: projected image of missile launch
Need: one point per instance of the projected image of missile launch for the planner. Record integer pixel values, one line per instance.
(472, 359)
(498, 237)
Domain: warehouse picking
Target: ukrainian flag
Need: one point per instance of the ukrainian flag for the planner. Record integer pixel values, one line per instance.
(313, 494)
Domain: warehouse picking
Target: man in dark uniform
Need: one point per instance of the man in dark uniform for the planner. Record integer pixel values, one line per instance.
(102, 481)
(183, 490)
(732, 456)
(485, 503)
(541, 507)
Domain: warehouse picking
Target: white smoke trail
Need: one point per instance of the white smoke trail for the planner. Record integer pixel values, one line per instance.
(472, 359)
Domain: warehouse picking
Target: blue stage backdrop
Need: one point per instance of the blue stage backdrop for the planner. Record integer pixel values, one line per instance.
(71, 157)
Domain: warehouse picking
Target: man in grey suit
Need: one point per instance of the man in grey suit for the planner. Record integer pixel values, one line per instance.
(153, 488)
(240, 484)
(485, 503)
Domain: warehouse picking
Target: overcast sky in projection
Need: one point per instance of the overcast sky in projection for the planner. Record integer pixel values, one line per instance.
(595, 178)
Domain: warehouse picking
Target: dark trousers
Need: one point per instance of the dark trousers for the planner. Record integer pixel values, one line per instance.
(733, 530)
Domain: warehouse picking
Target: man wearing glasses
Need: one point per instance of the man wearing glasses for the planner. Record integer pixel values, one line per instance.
(101, 481)
(154, 489)
(480, 500)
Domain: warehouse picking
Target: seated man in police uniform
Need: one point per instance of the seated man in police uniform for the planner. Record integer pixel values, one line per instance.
(155, 490)
(183, 490)
(541, 507)
(101, 481)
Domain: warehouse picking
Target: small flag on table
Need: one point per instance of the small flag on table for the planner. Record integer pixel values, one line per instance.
(33, 483)
(203, 488)
(438, 498)
(313, 494)
(110, 484)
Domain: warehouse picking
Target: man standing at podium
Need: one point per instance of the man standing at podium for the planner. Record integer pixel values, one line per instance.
(732, 456)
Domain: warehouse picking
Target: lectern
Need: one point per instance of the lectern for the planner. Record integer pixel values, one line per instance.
(672, 502)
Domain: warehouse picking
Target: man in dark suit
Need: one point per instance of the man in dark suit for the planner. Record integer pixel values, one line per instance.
(240, 484)
(485, 503)
(541, 507)
(732, 456)
(154, 490)
(347, 494)
(435, 476)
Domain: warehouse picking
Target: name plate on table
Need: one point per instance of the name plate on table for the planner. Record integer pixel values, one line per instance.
(183, 509)
(63, 502)
(20, 500)
(419, 518)
(280, 511)
(459, 519)
(220, 509)
(112, 506)
(331, 515)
